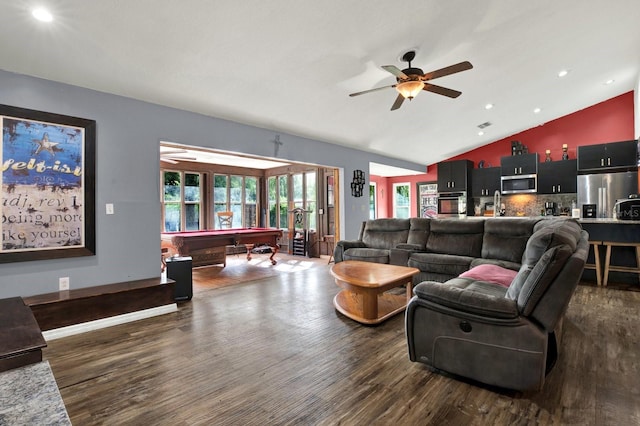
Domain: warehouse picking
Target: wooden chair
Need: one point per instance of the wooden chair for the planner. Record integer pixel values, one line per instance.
(225, 220)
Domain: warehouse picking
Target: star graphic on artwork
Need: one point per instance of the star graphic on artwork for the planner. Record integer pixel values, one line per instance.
(45, 145)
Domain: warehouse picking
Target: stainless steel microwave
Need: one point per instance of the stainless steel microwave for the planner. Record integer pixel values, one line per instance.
(519, 184)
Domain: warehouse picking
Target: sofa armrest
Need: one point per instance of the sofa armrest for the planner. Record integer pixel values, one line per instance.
(344, 245)
(469, 296)
(401, 253)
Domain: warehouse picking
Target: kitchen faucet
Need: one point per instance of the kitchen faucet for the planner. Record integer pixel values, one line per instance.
(496, 203)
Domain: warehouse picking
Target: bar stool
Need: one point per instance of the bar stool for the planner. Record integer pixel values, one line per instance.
(596, 265)
(617, 268)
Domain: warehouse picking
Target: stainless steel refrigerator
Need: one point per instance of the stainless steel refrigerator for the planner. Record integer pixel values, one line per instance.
(603, 189)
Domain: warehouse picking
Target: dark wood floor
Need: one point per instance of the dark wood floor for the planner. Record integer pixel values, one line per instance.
(273, 350)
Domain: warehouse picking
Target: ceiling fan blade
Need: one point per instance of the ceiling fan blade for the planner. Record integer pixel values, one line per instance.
(166, 160)
(171, 151)
(452, 69)
(441, 90)
(371, 90)
(398, 103)
(395, 71)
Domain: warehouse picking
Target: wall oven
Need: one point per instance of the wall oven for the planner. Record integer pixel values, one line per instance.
(452, 204)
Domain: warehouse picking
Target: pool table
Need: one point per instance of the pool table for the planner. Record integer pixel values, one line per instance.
(208, 247)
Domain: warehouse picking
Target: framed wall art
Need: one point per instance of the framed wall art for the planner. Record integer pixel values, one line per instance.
(48, 185)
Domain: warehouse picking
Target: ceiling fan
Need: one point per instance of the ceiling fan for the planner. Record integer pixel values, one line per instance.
(174, 156)
(410, 81)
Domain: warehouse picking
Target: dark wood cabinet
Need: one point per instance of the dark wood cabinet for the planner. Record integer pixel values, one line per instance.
(454, 175)
(614, 155)
(558, 177)
(524, 164)
(485, 181)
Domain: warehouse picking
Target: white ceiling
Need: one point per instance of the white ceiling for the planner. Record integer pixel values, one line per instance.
(289, 66)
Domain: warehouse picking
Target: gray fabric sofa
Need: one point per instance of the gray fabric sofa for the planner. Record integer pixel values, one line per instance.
(505, 335)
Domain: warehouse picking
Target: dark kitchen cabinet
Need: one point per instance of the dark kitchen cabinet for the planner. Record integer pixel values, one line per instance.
(485, 181)
(454, 175)
(558, 177)
(524, 164)
(614, 155)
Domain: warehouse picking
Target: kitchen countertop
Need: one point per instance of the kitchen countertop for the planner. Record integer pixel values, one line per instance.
(604, 220)
(29, 396)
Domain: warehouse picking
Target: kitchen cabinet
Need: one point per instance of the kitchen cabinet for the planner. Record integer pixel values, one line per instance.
(524, 164)
(614, 155)
(485, 181)
(454, 175)
(558, 177)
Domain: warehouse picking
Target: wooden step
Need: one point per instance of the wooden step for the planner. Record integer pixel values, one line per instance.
(64, 308)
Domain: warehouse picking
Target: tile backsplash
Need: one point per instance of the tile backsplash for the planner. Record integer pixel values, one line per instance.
(526, 204)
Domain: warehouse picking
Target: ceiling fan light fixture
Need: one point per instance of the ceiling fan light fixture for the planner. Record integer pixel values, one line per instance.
(410, 89)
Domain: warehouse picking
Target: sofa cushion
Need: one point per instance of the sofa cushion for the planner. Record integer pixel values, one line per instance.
(419, 232)
(548, 234)
(515, 266)
(446, 264)
(385, 233)
(506, 239)
(469, 296)
(491, 273)
(453, 236)
(533, 280)
(367, 255)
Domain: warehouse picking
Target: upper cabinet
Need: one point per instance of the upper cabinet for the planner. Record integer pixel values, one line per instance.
(615, 155)
(485, 181)
(454, 175)
(524, 164)
(557, 177)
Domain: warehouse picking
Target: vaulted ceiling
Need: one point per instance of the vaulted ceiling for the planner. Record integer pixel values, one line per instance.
(290, 66)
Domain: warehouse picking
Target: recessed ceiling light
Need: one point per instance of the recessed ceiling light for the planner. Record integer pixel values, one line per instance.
(480, 133)
(563, 73)
(488, 106)
(536, 110)
(42, 15)
(610, 81)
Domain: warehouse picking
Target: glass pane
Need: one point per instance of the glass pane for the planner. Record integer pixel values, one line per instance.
(273, 222)
(220, 189)
(372, 201)
(192, 217)
(235, 193)
(191, 187)
(297, 187)
(401, 201)
(283, 189)
(250, 216)
(311, 216)
(171, 186)
(271, 183)
(237, 215)
(310, 187)
(250, 190)
(284, 216)
(172, 217)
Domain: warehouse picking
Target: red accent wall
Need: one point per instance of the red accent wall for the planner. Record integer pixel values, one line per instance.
(608, 121)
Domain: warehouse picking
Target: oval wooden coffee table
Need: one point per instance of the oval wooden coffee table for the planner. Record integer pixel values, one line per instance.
(364, 298)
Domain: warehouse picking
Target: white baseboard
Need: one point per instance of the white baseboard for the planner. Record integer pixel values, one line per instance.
(70, 330)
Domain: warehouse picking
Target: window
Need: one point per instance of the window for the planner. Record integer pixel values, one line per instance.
(237, 194)
(372, 200)
(401, 201)
(303, 188)
(181, 199)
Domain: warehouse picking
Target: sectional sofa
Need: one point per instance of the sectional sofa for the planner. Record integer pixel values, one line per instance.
(491, 293)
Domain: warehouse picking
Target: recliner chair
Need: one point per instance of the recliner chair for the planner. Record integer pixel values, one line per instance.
(505, 337)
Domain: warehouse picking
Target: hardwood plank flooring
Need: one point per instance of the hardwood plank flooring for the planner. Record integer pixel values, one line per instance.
(270, 348)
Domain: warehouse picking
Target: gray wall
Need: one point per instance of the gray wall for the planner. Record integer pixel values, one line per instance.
(127, 175)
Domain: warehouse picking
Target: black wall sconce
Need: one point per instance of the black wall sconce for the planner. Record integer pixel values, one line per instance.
(358, 183)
